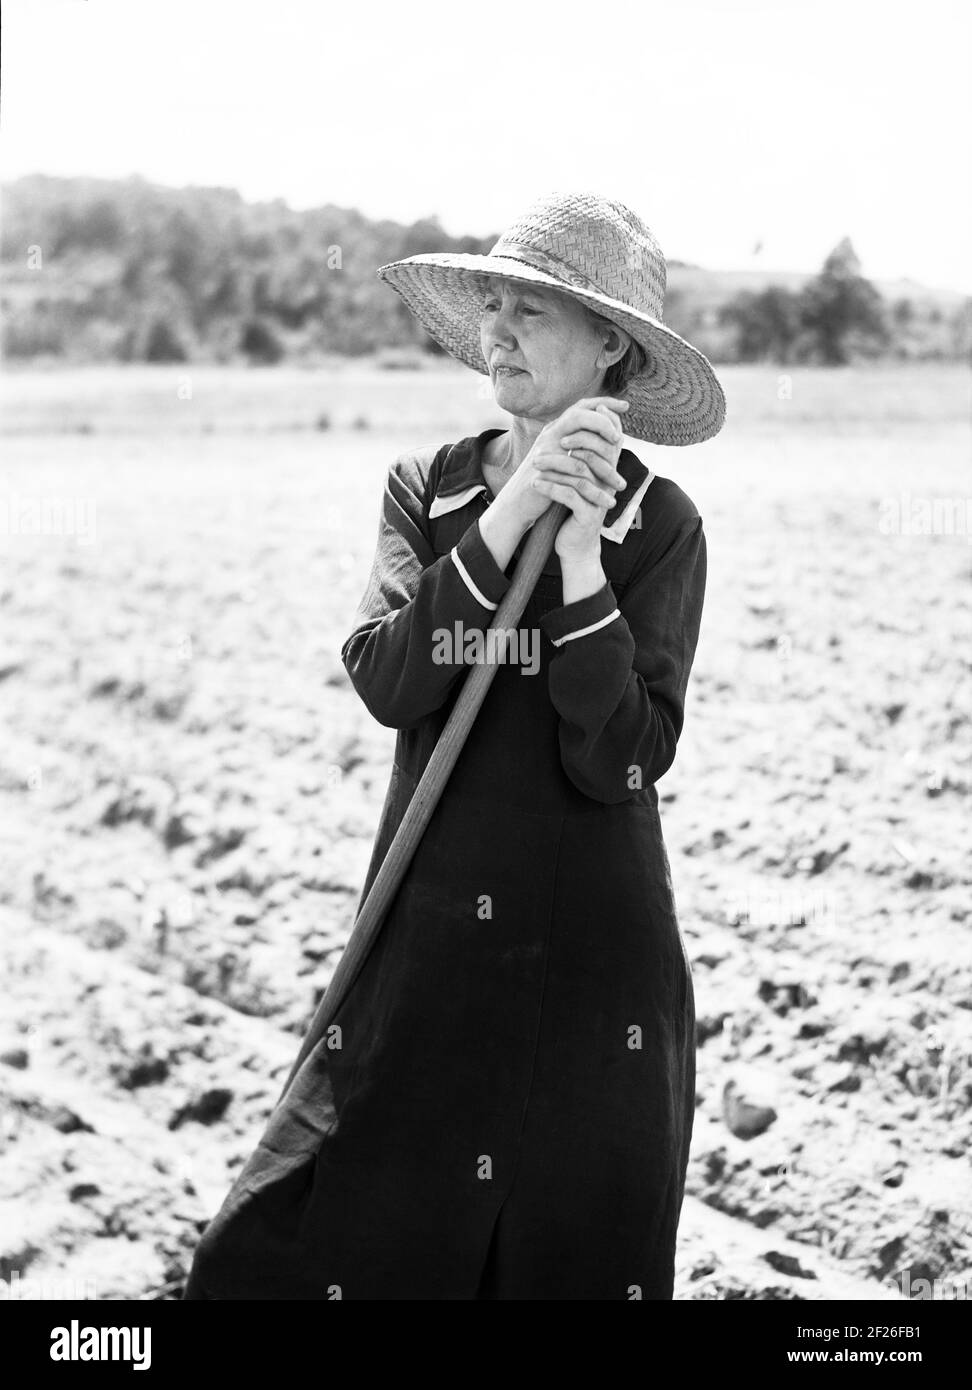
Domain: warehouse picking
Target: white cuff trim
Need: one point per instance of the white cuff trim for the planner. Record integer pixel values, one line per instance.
(464, 574)
(583, 631)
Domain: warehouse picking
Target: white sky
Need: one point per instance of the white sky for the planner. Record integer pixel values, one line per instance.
(785, 122)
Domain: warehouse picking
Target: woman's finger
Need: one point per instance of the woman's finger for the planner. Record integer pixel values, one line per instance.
(584, 462)
(587, 439)
(586, 488)
(599, 456)
(586, 512)
(600, 422)
(614, 403)
(579, 461)
(576, 471)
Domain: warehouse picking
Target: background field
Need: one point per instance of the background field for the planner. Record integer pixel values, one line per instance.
(189, 789)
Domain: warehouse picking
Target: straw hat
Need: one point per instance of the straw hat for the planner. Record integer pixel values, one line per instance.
(602, 254)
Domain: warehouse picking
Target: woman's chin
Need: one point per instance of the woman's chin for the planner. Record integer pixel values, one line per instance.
(512, 392)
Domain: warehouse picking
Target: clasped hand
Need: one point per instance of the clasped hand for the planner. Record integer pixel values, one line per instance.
(586, 479)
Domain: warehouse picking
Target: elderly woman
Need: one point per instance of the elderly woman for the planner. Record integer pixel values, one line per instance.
(504, 1107)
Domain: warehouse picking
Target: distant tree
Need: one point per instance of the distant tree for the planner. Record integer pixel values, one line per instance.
(162, 344)
(960, 344)
(841, 311)
(767, 323)
(101, 225)
(474, 245)
(185, 251)
(261, 344)
(425, 235)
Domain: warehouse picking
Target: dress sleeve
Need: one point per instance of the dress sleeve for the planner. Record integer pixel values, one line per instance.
(620, 671)
(395, 656)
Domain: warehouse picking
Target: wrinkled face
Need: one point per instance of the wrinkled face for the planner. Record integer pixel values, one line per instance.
(540, 347)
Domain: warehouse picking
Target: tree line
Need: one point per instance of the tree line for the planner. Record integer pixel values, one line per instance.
(129, 271)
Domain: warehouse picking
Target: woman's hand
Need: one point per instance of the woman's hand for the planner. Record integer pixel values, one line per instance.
(584, 474)
(586, 482)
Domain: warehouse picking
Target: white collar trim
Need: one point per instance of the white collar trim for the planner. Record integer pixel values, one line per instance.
(615, 532)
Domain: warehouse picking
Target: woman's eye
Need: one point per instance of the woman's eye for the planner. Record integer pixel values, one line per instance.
(491, 305)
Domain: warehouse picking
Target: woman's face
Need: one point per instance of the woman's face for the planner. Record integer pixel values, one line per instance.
(542, 350)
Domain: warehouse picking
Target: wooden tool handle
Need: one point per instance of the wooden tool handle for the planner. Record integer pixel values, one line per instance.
(430, 787)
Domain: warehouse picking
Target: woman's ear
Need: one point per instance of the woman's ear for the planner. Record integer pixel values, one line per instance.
(615, 344)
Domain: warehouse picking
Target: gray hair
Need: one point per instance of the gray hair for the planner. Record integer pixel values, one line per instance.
(632, 364)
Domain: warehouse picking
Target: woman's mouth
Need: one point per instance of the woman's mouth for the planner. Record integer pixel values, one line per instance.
(508, 371)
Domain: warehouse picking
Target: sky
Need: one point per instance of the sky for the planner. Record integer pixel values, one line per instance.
(750, 135)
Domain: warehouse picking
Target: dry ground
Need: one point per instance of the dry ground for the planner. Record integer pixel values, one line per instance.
(189, 790)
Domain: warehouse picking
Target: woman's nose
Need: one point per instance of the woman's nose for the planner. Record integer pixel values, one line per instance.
(500, 327)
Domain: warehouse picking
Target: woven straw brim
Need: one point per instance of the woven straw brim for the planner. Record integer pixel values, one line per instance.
(676, 400)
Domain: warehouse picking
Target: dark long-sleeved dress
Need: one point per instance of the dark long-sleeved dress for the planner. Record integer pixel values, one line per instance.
(504, 1105)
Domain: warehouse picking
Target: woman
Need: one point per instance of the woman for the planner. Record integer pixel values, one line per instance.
(504, 1107)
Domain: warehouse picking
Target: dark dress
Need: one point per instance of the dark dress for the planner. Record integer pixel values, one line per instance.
(505, 1106)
